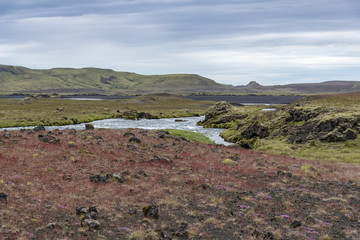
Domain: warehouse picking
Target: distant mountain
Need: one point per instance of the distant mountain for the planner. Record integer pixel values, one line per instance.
(302, 88)
(15, 79)
(100, 81)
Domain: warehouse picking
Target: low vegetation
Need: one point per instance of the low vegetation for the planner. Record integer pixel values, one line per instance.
(53, 111)
(191, 136)
(141, 184)
(316, 127)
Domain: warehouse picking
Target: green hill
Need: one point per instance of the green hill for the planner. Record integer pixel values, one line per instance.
(94, 80)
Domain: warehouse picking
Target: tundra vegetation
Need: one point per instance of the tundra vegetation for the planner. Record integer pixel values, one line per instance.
(141, 184)
(315, 127)
(53, 111)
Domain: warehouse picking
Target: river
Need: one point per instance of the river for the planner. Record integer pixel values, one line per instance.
(186, 123)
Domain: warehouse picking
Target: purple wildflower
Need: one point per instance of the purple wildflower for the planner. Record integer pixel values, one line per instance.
(76, 224)
(327, 224)
(245, 206)
(285, 216)
(31, 235)
(268, 197)
(61, 206)
(123, 228)
(239, 215)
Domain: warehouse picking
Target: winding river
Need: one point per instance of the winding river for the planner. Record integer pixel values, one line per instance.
(186, 123)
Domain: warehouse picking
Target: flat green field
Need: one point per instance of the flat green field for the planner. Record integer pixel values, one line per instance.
(57, 111)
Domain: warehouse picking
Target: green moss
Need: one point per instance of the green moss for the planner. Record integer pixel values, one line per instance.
(348, 151)
(231, 135)
(191, 136)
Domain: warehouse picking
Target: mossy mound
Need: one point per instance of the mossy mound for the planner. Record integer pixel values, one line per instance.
(312, 121)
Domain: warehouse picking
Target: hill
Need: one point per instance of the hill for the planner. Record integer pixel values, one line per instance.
(101, 81)
(15, 79)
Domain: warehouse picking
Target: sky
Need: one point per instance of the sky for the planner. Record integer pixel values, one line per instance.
(230, 41)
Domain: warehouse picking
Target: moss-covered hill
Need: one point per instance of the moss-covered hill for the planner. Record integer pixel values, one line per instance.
(318, 127)
(95, 80)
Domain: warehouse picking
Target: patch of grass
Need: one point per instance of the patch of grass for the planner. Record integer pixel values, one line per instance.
(57, 111)
(191, 136)
(348, 151)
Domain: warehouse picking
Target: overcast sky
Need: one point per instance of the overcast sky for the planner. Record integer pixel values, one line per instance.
(229, 41)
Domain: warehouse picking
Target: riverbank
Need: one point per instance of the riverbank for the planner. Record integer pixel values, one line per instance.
(182, 124)
(141, 184)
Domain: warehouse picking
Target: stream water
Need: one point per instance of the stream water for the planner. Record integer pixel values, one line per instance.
(187, 123)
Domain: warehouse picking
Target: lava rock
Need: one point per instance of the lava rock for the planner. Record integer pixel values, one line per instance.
(151, 212)
(161, 159)
(129, 134)
(92, 224)
(350, 134)
(82, 210)
(39, 128)
(99, 178)
(89, 126)
(255, 130)
(295, 224)
(334, 136)
(118, 177)
(3, 197)
(48, 138)
(284, 173)
(134, 139)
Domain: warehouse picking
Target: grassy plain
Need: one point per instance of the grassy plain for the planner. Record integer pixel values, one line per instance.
(57, 111)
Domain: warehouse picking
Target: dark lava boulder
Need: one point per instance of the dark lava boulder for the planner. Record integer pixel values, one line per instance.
(350, 134)
(89, 126)
(133, 139)
(3, 197)
(99, 179)
(255, 130)
(151, 212)
(39, 128)
(298, 115)
(333, 136)
(48, 138)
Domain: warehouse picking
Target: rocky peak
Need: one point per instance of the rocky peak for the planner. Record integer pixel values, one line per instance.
(253, 84)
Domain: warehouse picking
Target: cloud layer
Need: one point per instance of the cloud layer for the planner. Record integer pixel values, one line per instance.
(230, 41)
